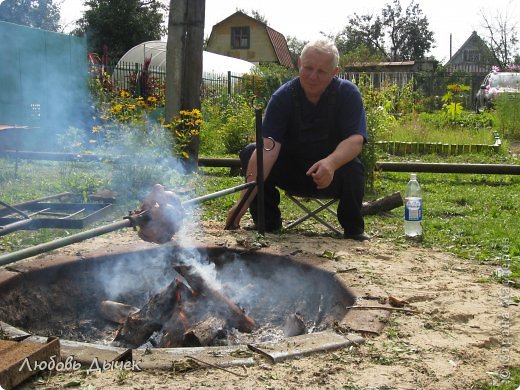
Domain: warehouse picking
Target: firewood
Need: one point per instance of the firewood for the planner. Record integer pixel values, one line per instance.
(223, 305)
(386, 203)
(204, 332)
(294, 325)
(189, 309)
(116, 311)
(139, 326)
(236, 316)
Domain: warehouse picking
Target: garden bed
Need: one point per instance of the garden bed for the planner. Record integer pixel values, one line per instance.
(401, 148)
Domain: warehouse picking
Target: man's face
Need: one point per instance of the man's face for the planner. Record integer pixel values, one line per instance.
(316, 72)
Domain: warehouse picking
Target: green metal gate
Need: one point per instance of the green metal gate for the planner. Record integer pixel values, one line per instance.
(43, 78)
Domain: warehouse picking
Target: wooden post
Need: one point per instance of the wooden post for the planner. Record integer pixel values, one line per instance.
(175, 49)
(193, 66)
(184, 61)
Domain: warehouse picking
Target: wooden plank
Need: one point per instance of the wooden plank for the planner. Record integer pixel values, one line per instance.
(298, 346)
(180, 358)
(9, 332)
(87, 353)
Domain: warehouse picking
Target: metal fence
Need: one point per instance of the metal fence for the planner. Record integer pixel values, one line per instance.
(126, 76)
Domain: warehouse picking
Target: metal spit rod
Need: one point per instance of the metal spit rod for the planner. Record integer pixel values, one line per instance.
(126, 222)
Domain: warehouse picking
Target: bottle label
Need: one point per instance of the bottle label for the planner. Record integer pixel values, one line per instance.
(413, 209)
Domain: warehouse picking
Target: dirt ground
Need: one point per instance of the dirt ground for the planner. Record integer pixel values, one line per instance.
(464, 333)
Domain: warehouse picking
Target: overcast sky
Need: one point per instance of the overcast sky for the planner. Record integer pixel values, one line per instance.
(305, 20)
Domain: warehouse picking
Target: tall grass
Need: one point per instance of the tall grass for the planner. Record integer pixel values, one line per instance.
(437, 127)
(413, 132)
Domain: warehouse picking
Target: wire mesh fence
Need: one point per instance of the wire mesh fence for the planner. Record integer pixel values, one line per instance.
(127, 76)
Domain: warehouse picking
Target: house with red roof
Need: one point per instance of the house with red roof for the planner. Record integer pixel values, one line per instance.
(242, 36)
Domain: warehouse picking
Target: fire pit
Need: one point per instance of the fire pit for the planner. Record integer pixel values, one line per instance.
(181, 296)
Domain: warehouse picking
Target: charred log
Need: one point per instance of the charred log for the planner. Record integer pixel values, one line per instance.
(294, 325)
(205, 332)
(221, 304)
(187, 312)
(139, 326)
(115, 311)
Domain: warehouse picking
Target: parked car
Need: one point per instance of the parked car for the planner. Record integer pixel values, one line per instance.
(494, 84)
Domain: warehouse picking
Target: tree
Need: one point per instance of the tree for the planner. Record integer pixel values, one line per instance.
(44, 14)
(295, 47)
(360, 55)
(394, 34)
(255, 15)
(120, 24)
(502, 36)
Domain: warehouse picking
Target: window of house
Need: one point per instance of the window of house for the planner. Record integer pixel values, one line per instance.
(472, 56)
(240, 37)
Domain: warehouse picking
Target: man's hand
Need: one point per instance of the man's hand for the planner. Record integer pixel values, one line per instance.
(322, 173)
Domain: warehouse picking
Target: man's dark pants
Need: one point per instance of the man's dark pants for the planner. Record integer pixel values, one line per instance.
(288, 174)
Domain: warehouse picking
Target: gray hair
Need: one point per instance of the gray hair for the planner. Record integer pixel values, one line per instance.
(324, 46)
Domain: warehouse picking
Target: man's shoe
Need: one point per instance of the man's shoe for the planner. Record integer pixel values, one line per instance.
(270, 227)
(357, 237)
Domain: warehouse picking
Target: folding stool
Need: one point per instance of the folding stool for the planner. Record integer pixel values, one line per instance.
(319, 205)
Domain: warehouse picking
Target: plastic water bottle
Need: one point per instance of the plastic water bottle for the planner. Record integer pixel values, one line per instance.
(413, 208)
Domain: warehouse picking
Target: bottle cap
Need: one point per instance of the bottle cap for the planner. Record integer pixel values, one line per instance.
(413, 176)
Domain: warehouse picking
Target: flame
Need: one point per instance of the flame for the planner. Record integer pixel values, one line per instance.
(178, 296)
(184, 318)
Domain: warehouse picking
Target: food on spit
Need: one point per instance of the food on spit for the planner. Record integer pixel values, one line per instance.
(161, 215)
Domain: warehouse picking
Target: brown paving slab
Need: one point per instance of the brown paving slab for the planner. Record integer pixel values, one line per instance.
(20, 359)
(87, 354)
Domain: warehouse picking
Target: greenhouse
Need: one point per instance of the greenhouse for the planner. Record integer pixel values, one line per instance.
(212, 64)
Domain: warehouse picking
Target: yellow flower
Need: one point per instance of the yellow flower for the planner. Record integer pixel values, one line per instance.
(117, 108)
(97, 129)
(124, 94)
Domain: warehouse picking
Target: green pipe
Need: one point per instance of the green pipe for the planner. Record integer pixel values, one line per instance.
(127, 222)
(49, 246)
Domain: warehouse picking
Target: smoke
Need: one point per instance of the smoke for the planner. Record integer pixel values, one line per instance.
(134, 278)
(44, 87)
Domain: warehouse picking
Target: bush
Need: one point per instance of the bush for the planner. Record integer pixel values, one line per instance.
(507, 115)
(465, 119)
(379, 104)
(229, 125)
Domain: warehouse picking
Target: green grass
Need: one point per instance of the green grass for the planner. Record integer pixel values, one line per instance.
(473, 216)
(508, 380)
(415, 133)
